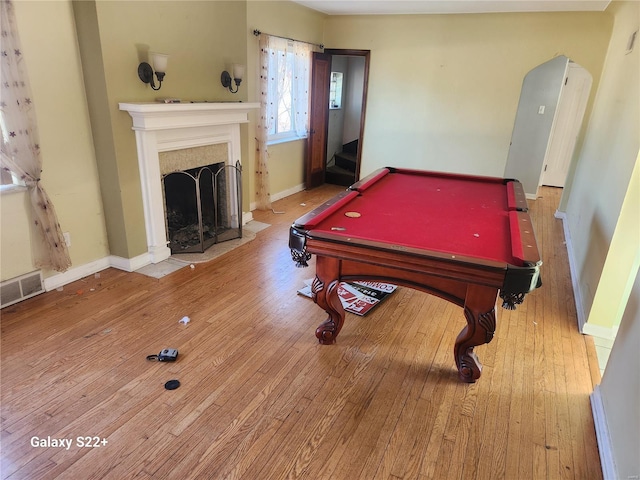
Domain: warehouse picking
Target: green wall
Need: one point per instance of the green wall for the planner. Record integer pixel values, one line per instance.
(202, 39)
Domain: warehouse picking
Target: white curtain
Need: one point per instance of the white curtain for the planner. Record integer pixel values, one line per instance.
(302, 67)
(20, 151)
(277, 55)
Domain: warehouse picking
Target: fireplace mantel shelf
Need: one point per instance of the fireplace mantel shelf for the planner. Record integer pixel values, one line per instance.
(159, 116)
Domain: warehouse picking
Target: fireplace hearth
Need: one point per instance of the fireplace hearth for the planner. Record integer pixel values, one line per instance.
(198, 205)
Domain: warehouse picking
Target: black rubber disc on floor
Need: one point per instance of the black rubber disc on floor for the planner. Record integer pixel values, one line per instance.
(172, 384)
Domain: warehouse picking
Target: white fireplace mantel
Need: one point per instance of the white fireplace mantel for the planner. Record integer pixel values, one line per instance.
(162, 127)
(159, 116)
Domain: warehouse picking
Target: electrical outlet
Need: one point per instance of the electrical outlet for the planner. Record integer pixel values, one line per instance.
(541, 110)
(67, 238)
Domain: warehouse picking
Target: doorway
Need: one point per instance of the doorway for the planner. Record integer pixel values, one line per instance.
(346, 86)
(337, 117)
(552, 103)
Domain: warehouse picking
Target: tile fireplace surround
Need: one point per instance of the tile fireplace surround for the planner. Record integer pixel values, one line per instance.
(161, 127)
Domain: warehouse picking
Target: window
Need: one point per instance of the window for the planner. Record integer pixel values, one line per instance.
(6, 177)
(281, 96)
(287, 90)
(335, 91)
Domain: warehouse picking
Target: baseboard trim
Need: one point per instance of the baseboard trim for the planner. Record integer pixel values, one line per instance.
(127, 264)
(130, 264)
(582, 320)
(287, 192)
(280, 195)
(599, 331)
(607, 462)
(61, 279)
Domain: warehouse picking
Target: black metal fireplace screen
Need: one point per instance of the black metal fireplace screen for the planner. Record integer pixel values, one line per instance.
(203, 206)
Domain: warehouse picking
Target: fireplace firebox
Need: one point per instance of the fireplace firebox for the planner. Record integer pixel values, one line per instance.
(199, 206)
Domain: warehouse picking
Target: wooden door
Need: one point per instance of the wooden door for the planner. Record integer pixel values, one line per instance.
(318, 120)
(566, 125)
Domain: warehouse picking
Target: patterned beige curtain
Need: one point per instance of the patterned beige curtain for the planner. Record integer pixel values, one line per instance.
(20, 151)
(273, 81)
(263, 200)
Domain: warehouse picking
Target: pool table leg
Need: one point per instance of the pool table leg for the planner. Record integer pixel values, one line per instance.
(479, 310)
(325, 294)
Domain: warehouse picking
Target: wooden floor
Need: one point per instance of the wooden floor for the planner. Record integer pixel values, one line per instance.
(261, 399)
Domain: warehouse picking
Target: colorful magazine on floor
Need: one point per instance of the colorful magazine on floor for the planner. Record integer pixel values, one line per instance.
(357, 297)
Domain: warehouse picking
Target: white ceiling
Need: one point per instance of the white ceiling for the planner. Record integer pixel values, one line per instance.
(398, 7)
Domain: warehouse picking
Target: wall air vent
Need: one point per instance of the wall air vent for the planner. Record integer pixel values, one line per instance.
(20, 288)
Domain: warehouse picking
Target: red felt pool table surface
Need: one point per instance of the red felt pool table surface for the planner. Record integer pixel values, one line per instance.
(452, 214)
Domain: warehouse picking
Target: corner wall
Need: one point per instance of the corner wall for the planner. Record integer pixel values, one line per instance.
(602, 181)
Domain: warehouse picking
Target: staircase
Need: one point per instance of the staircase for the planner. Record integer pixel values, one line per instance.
(344, 170)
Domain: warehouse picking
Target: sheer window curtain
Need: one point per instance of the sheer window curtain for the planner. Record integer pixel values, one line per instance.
(20, 151)
(263, 196)
(270, 81)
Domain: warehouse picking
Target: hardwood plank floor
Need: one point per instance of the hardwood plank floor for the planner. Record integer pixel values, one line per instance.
(261, 399)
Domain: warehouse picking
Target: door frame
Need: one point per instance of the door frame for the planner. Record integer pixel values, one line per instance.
(353, 53)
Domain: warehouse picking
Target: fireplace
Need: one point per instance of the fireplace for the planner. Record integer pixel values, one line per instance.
(174, 130)
(198, 206)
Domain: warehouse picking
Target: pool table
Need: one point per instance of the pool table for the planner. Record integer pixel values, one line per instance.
(466, 239)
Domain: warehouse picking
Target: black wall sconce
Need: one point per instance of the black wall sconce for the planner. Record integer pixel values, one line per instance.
(145, 72)
(238, 73)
